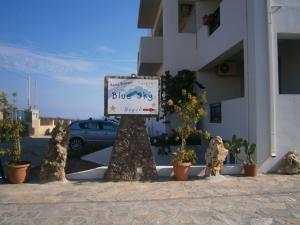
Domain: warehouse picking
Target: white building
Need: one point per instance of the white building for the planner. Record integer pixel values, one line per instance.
(258, 87)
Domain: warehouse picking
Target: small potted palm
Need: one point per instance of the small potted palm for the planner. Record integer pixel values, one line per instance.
(189, 111)
(235, 146)
(10, 129)
(251, 168)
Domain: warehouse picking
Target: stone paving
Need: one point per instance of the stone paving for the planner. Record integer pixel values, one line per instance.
(266, 199)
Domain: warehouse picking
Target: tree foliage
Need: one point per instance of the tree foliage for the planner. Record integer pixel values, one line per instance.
(236, 145)
(10, 128)
(183, 80)
(190, 110)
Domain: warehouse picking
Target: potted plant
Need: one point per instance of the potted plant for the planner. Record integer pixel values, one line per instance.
(10, 129)
(189, 111)
(235, 146)
(251, 168)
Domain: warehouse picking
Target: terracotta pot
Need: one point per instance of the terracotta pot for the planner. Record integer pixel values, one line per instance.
(251, 170)
(181, 170)
(19, 173)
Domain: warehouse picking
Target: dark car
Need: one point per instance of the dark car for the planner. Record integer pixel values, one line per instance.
(96, 132)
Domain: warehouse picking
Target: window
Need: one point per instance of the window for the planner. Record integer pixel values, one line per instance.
(186, 17)
(83, 125)
(94, 126)
(215, 113)
(74, 126)
(109, 126)
(288, 66)
(215, 21)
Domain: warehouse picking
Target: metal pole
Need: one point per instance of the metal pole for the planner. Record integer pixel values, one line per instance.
(272, 89)
(34, 97)
(28, 94)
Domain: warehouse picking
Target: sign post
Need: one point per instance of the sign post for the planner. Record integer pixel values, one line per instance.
(132, 98)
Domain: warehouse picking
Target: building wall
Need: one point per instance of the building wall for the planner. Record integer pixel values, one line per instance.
(284, 22)
(179, 49)
(285, 25)
(154, 127)
(204, 8)
(286, 19)
(151, 49)
(233, 120)
(190, 26)
(229, 34)
(258, 80)
(246, 22)
(220, 88)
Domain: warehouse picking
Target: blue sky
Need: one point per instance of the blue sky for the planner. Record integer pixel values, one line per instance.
(67, 47)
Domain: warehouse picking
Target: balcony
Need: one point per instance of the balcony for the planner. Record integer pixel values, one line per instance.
(226, 30)
(150, 56)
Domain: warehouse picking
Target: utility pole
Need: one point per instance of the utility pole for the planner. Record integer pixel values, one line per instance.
(28, 92)
(34, 95)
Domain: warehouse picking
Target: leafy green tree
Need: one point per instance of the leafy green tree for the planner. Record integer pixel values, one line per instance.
(10, 129)
(190, 110)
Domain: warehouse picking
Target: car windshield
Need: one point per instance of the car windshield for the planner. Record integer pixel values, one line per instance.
(94, 125)
(83, 125)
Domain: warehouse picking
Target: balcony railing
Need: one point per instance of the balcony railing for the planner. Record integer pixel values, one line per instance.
(150, 56)
(150, 50)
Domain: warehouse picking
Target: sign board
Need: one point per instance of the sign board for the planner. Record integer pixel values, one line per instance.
(132, 96)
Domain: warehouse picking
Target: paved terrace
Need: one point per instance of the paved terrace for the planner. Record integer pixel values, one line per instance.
(266, 199)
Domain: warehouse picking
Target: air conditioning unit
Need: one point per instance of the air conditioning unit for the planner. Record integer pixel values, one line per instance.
(227, 69)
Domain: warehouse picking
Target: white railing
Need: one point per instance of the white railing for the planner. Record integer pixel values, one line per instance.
(151, 50)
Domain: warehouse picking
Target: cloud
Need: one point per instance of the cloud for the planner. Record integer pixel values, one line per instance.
(104, 49)
(63, 68)
(80, 80)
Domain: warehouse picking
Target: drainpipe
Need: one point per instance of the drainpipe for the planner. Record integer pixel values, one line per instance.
(272, 91)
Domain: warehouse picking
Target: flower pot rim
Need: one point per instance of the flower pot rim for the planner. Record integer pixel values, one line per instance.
(183, 164)
(255, 164)
(19, 164)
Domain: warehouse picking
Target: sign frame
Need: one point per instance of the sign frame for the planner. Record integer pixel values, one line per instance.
(131, 78)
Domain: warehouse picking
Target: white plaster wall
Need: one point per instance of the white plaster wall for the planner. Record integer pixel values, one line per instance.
(151, 50)
(285, 23)
(288, 134)
(258, 80)
(230, 32)
(191, 51)
(44, 130)
(179, 49)
(286, 19)
(154, 127)
(40, 130)
(234, 120)
(162, 171)
(190, 26)
(205, 8)
(220, 88)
